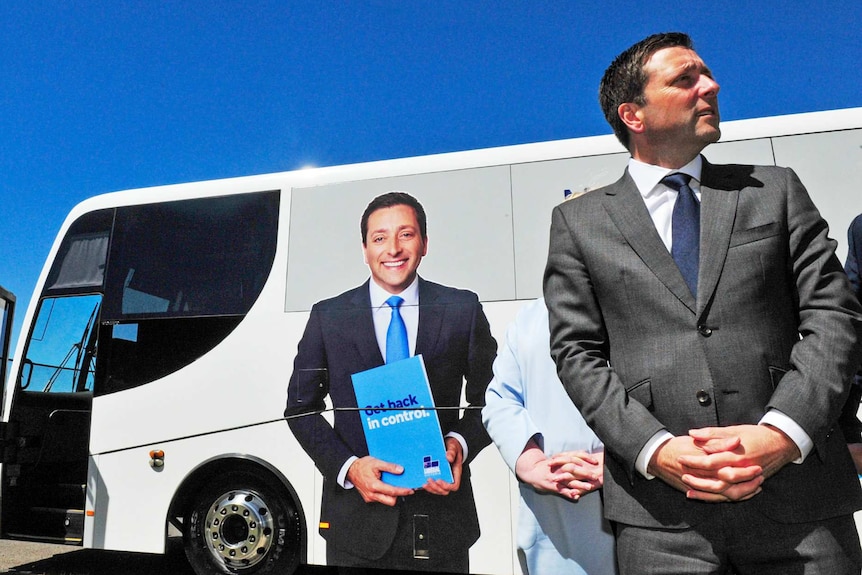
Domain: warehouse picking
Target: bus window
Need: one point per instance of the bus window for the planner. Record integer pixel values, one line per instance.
(83, 262)
(192, 258)
(180, 277)
(62, 349)
(175, 278)
(80, 263)
(137, 352)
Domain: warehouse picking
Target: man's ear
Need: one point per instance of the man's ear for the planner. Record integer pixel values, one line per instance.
(630, 114)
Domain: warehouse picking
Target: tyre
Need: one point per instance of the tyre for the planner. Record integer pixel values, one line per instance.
(242, 523)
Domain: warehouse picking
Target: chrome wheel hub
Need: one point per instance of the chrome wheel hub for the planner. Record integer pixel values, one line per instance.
(239, 529)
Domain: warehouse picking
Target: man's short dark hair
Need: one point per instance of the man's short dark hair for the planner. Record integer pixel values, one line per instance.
(624, 80)
(389, 200)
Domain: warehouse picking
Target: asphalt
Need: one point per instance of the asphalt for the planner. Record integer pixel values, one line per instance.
(24, 558)
(40, 559)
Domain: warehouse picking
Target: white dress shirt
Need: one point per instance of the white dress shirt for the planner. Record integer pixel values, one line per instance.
(381, 314)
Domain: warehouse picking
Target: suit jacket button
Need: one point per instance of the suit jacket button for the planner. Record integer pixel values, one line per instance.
(703, 397)
(704, 330)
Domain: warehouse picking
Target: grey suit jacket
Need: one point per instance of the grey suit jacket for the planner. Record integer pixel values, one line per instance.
(774, 326)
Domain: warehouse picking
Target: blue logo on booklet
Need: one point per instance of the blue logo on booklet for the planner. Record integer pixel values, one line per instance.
(430, 466)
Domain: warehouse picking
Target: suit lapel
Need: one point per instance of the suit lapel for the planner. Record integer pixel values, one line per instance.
(430, 318)
(359, 326)
(627, 210)
(717, 214)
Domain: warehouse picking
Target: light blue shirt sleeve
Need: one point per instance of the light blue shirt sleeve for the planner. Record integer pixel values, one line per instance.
(525, 399)
(505, 415)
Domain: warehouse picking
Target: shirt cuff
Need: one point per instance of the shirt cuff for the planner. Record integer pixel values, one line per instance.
(772, 417)
(341, 479)
(643, 458)
(783, 422)
(461, 440)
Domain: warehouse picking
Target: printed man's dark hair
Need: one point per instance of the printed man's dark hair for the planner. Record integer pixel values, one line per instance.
(389, 200)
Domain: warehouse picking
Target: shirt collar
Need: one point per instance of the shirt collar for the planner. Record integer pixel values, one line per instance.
(380, 295)
(647, 176)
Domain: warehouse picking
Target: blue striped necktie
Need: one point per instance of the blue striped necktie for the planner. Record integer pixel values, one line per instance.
(685, 229)
(396, 334)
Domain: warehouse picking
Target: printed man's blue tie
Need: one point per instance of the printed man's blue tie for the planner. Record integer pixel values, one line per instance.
(396, 335)
(685, 225)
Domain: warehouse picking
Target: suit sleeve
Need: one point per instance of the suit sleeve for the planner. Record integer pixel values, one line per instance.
(306, 393)
(829, 316)
(478, 373)
(849, 421)
(505, 415)
(854, 253)
(580, 347)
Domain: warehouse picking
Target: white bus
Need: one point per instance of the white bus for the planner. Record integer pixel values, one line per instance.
(150, 377)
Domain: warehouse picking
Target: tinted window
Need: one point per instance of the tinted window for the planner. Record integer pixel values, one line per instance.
(173, 278)
(202, 257)
(80, 263)
(180, 277)
(136, 353)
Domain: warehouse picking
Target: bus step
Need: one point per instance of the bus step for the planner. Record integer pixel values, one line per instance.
(56, 524)
(45, 539)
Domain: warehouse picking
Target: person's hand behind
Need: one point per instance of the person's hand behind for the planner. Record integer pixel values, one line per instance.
(582, 472)
(570, 474)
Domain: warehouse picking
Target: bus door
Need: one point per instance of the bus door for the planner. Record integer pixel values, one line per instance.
(46, 472)
(45, 462)
(7, 313)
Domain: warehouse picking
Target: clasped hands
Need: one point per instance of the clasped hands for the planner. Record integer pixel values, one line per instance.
(569, 474)
(717, 464)
(365, 475)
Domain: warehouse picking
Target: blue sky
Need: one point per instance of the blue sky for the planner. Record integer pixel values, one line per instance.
(105, 95)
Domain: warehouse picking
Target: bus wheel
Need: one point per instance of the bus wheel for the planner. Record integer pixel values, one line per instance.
(241, 523)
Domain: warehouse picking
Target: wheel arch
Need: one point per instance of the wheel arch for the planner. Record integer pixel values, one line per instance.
(232, 463)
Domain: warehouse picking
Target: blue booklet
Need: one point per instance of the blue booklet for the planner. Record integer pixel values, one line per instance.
(400, 422)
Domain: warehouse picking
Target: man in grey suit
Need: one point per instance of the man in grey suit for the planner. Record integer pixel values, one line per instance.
(715, 382)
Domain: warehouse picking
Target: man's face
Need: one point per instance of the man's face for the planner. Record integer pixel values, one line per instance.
(394, 247)
(681, 110)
